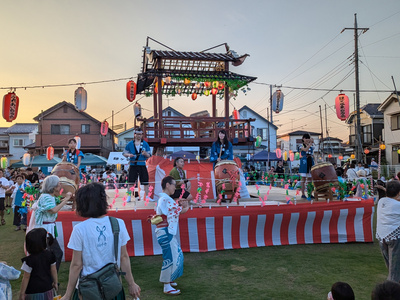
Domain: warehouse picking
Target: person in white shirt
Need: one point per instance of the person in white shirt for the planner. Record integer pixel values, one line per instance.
(4, 185)
(388, 229)
(351, 173)
(92, 241)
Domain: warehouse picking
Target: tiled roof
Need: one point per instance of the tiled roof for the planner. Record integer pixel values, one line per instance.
(3, 130)
(22, 128)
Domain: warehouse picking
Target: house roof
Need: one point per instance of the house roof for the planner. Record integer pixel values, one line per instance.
(3, 130)
(331, 139)
(388, 100)
(300, 133)
(258, 116)
(22, 128)
(70, 105)
(371, 109)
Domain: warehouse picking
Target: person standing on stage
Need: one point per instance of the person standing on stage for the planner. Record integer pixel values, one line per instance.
(306, 161)
(73, 155)
(221, 149)
(170, 210)
(138, 151)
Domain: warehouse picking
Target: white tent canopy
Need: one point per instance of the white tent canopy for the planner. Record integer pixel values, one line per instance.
(116, 158)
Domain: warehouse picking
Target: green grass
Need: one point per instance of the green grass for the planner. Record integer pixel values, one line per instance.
(279, 272)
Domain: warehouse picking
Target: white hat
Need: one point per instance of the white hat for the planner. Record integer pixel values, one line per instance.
(361, 173)
(93, 170)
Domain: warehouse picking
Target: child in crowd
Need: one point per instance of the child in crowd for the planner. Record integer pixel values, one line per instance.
(7, 273)
(341, 291)
(40, 273)
(20, 206)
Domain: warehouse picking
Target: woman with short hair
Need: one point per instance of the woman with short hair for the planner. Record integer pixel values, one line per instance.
(92, 241)
(47, 210)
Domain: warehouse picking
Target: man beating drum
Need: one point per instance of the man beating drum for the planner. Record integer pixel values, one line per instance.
(306, 161)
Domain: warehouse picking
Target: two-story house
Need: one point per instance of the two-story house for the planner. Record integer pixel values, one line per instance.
(260, 127)
(63, 121)
(20, 135)
(371, 121)
(391, 137)
(331, 148)
(4, 142)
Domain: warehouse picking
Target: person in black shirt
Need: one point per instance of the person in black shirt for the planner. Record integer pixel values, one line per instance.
(32, 177)
(280, 170)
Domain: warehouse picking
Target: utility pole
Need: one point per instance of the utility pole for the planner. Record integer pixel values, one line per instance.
(358, 132)
(270, 100)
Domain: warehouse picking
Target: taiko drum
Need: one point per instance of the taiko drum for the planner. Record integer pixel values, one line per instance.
(69, 176)
(323, 175)
(226, 171)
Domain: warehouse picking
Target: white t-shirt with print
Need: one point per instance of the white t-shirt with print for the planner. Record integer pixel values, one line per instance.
(94, 237)
(4, 182)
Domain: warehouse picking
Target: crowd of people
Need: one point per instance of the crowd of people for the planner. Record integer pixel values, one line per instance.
(89, 240)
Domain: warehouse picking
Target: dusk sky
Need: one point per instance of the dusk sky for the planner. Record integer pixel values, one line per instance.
(296, 44)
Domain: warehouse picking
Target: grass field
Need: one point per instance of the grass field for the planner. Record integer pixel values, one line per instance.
(278, 272)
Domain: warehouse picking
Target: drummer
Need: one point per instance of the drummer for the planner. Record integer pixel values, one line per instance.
(306, 161)
(179, 175)
(221, 149)
(73, 155)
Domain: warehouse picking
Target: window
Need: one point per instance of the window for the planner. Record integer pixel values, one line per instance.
(18, 143)
(367, 136)
(395, 122)
(169, 113)
(263, 132)
(60, 129)
(4, 144)
(244, 114)
(85, 128)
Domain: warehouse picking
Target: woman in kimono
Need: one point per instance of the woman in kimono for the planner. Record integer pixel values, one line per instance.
(306, 161)
(221, 149)
(169, 210)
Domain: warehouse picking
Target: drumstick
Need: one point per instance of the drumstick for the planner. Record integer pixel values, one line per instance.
(220, 152)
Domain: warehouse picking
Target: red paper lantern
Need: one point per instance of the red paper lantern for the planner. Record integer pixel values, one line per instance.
(236, 114)
(207, 84)
(340, 157)
(49, 153)
(131, 90)
(104, 128)
(329, 155)
(10, 107)
(342, 106)
(221, 86)
(214, 91)
(278, 153)
(194, 96)
(366, 150)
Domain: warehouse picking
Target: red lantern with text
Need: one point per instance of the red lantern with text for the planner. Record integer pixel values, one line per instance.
(80, 99)
(342, 106)
(49, 153)
(278, 153)
(131, 90)
(104, 128)
(194, 96)
(10, 107)
(214, 91)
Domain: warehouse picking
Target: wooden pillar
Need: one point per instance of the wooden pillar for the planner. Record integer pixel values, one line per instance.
(160, 124)
(226, 96)
(155, 113)
(214, 105)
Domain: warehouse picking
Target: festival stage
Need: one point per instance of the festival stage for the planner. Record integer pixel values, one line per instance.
(214, 227)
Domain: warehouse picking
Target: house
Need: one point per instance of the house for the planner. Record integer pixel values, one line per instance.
(371, 121)
(19, 136)
(260, 127)
(62, 122)
(332, 149)
(4, 142)
(390, 109)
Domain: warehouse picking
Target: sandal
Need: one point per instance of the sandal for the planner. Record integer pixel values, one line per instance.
(3, 222)
(173, 292)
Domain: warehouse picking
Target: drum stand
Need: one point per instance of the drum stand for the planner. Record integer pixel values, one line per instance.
(228, 192)
(323, 194)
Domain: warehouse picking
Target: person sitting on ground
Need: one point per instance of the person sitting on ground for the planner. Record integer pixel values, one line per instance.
(179, 175)
(341, 291)
(388, 229)
(388, 290)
